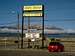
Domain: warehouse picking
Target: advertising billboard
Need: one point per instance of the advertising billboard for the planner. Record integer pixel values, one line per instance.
(32, 14)
(32, 7)
(32, 35)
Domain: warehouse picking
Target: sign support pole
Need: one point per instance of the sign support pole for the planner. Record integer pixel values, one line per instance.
(43, 28)
(18, 29)
(22, 30)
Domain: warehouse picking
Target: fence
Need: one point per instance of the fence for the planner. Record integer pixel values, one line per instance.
(13, 43)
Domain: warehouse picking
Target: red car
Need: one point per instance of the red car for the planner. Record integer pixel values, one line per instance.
(55, 46)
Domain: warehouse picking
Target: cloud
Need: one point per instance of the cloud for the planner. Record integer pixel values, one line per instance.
(70, 31)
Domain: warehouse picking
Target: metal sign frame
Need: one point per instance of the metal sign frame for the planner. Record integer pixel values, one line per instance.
(42, 25)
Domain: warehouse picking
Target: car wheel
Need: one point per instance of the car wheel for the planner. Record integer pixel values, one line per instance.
(59, 50)
(62, 50)
(49, 50)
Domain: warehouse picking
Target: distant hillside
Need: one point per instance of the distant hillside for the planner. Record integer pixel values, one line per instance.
(9, 27)
(33, 26)
(39, 27)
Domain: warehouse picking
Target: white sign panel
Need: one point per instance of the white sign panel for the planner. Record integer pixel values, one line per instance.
(32, 39)
(28, 35)
(32, 35)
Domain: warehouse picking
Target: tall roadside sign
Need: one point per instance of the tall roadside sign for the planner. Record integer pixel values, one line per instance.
(33, 11)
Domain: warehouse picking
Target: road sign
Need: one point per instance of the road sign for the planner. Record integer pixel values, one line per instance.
(32, 14)
(32, 7)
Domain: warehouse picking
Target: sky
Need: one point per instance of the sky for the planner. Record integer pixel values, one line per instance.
(59, 13)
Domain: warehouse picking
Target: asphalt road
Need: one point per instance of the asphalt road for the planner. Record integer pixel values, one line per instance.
(33, 52)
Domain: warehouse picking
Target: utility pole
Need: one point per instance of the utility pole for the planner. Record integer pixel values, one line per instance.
(24, 25)
(28, 24)
(29, 40)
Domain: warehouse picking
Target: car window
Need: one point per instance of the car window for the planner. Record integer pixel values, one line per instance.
(54, 43)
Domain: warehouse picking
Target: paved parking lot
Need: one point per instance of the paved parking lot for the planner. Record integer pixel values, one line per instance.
(33, 52)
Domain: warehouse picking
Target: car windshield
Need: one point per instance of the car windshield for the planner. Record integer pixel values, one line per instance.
(54, 43)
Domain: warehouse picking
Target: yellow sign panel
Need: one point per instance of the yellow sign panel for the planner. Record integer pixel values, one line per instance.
(31, 8)
(32, 14)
